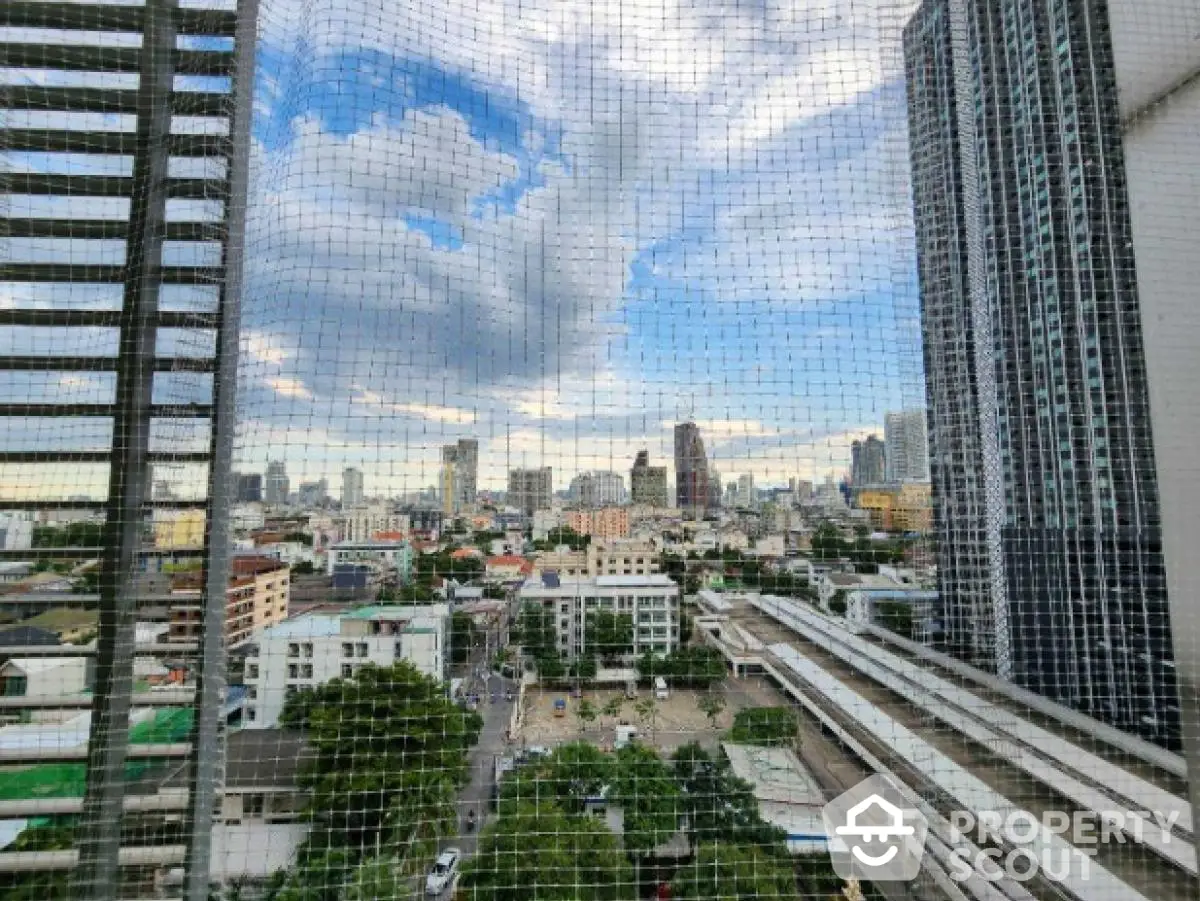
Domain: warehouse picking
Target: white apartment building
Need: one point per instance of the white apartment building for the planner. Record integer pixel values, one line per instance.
(366, 522)
(652, 601)
(312, 649)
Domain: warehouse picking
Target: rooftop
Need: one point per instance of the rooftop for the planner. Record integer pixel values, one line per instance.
(397, 611)
(307, 625)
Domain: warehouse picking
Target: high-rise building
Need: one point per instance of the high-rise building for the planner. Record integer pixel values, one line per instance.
(745, 494)
(597, 489)
(352, 488)
(648, 484)
(530, 490)
(249, 487)
(459, 476)
(277, 486)
(691, 470)
(867, 462)
(468, 472)
(906, 447)
(314, 494)
(1034, 349)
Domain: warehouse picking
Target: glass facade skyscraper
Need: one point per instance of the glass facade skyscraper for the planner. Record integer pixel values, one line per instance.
(1078, 584)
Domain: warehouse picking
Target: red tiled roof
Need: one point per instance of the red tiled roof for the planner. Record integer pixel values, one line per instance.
(507, 560)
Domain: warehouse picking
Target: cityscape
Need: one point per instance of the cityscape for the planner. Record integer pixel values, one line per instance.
(599, 452)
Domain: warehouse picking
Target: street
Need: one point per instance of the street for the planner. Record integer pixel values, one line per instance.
(477, 794)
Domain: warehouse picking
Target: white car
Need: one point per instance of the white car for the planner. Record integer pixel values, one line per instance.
(445, 868)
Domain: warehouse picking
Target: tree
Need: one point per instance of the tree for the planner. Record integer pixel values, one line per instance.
(389, 752)
(303, 568)
(647, 710)
(613, 706)
(896, 617)
(464, 636)
(837, 603)
(379, 877)
(51, 885)
(586, 713)
(536, 852)
(697, 667)
(573, 773)
(609, 634)
(649, 796)
(765, 726)
(584, 668)
(711, 706)
(734, 873)
(719, 805)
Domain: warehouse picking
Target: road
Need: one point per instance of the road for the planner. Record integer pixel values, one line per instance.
(492, 741)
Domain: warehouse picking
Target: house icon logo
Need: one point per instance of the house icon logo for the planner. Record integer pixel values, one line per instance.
(874, 833)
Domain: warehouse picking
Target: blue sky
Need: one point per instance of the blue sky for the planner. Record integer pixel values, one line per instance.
(561, 228)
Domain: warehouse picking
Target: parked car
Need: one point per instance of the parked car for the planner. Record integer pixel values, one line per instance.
(445, 868)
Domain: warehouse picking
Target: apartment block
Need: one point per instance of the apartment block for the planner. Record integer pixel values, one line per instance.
(312, 649)
(651, 600)
(258, 594)
(604, 523)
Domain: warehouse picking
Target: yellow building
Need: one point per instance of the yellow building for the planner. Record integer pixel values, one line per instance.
(606, 523)
(905, 508)
(878, 503)
(179, 529)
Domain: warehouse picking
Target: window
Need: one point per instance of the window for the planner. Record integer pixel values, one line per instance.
(308, 649)
(362, 649)
(252, 805)
(252, 693)
(347, 671)
(347, 649)
(293, 650)
(293, 671)
(252, 671)
(306, 671)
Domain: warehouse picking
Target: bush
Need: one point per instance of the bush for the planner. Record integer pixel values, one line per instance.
(764, 726)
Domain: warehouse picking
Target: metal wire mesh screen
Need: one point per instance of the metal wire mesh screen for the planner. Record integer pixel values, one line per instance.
(598, 450)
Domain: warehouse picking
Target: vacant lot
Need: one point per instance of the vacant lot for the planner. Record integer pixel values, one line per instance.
(672, 722)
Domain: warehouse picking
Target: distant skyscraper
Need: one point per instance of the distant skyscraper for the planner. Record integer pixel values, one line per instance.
(867, 462)
(277, 486)
(1046, 508)
(352, 488)
(249, 487)
(691, 470)
(459, 476)
(468, 472)
(648, 484)
(745, 491)
(906, 455)
(597, 489)
(314, 494)
(530, 490)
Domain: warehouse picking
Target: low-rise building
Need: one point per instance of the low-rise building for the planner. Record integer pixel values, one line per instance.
(652, 601)
(310, 650)
(392, 557)
(258, 594)
(606, 522)
(360, 524)
(507, 568)
(562, 560)
(622, 558)
(44, 677)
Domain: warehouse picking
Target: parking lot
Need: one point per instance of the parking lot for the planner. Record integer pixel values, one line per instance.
(676, 720)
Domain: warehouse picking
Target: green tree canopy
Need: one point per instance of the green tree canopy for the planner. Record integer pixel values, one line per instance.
(734, 873)
(719, 805)
(536, 852)
(609, 634)
(765, 726)
(697, 666)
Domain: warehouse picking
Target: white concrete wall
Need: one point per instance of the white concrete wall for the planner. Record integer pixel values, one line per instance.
(1156, 47)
